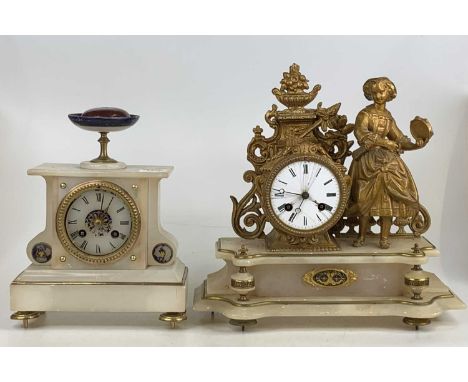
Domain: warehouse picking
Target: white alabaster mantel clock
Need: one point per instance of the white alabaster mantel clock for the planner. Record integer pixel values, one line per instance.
(312, 261)
(103, 248)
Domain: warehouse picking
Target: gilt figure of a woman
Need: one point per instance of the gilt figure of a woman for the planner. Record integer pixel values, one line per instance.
(382, 185)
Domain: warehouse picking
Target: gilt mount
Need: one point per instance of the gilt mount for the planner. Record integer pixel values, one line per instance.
(318, 133)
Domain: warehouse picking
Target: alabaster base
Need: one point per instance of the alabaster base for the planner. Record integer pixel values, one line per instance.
(373, 284)
(154, 289)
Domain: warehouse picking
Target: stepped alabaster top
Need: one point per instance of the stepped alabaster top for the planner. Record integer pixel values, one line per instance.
(75, 170)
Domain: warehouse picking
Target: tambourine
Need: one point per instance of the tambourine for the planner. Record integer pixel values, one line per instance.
(421, 129)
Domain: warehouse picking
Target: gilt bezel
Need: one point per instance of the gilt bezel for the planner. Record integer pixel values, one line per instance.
(72, 196)
(344, 192)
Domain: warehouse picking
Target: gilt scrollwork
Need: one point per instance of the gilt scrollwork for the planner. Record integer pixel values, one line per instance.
(338, 228)
(257, 151)
(248, 219)
(260, 149)
(319, 133)
(421, 222)
(270, 117)
(401, 222)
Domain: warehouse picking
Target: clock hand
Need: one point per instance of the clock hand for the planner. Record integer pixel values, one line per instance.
(313, 179)
(294, 193)
(322, 206)
(287, 206)
(108, 204)
(303, 177)
(307, 178)
(282, 191)
(298, 209)
(102, 201)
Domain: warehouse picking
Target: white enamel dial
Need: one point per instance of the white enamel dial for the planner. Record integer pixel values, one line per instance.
(305, 195)
(98, 222)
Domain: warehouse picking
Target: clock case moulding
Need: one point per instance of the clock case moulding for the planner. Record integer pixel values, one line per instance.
(138, 281)
(318, 272)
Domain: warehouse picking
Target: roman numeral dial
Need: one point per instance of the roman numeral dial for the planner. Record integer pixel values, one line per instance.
(304, 195)
(99, 220)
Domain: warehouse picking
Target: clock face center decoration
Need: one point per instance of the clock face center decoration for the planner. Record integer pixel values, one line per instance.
(102, 230)
(98, 222)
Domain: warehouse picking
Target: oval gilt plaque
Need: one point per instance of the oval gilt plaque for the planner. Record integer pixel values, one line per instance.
(329, 277)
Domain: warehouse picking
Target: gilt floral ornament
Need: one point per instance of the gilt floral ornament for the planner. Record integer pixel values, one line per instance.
(294, 81)
(292, 91)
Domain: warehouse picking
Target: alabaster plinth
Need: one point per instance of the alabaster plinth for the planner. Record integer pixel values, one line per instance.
(373, 283)
(155, 289)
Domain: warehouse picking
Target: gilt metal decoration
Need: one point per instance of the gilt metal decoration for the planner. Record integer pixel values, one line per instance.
(322, 200)
(329, 277)
(382, 185)
(319, 134)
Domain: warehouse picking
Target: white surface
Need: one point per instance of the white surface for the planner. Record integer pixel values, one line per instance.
(150, 290)
(378, 290)
(74, 170)
(400, 252)
(142, 185)
(102, 166)
(145, 196)
(199, 98)
(324, 306)
(35, 274)
(126, 329)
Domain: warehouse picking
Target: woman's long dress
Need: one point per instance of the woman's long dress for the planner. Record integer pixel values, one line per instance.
(382, 185)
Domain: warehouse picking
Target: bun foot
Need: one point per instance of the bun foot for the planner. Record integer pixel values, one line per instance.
(243, 323)
(416, 322)
(25, 316)
(173, 318)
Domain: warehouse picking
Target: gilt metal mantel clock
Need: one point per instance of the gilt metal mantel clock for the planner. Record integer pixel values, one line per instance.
(298, 252)
(299, 184)
(103, 248)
